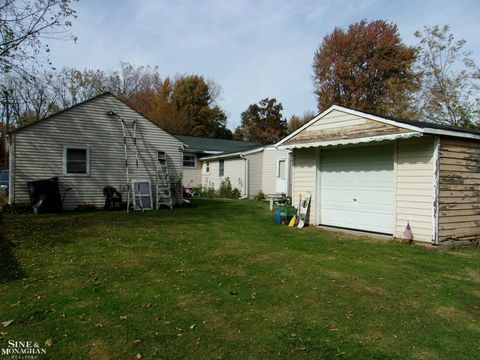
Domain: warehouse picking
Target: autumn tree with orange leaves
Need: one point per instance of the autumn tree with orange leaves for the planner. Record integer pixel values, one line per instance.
(366, 67)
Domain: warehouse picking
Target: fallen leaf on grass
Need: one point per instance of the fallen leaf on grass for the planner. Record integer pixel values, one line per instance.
(138, 341)
(124, 317)
(7, 323)
(48, 342)
(2, 334)
(138, 356)
(233, 292)
(192, 327)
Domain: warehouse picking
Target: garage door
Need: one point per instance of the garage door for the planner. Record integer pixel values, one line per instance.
(357, 188)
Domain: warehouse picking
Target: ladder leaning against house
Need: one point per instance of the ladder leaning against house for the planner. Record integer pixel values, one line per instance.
(162, 181)
(130, 191)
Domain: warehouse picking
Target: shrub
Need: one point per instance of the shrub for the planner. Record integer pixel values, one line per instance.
(260, 196)
(235, 194)
(86, 207)
(207, 192)
(19, 208)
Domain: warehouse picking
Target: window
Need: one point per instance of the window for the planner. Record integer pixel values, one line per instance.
(207, 166)
(142, 195)
(189, 160)
(76, 160)
(221, 167)
(281, 169)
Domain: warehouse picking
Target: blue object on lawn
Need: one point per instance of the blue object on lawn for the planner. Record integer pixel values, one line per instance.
(277, 216)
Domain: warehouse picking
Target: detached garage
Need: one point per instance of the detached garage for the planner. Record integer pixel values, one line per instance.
(377, 174)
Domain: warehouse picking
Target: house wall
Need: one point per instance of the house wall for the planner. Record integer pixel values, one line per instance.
(415, 176)
(39, 151)
(255, 171)
(459, 193)
(234, 170)
(269, 176)
(304, 177)
(192, 176)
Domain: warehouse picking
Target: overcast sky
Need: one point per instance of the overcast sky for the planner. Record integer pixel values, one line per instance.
(252, 49)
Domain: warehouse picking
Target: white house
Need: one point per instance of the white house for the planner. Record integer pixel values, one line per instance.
(263, 168)
(84, 147)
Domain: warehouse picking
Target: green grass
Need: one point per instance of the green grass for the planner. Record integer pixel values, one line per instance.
(224, 281)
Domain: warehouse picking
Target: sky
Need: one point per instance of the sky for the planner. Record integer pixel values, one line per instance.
(252, 49)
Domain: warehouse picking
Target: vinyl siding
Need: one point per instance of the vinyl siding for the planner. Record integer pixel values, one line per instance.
(304, 177)
(39, 151)
(459, 196)
(255, 171)
(234, 169)
(270, 158)
(336, 120)
(192, 176)
(415, 187)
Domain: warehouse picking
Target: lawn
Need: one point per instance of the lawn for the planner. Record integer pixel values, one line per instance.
(223, 281)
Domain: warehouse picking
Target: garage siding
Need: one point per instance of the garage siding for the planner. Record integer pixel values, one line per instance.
(39, 151)
(304, 177)
(415, 189)
(459, 197)
(337, 120)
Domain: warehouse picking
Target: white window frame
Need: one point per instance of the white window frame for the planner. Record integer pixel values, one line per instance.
(134, 195)
(207, 166)
(278, 169)
(194, 161)
(219, 168)
(77, 147)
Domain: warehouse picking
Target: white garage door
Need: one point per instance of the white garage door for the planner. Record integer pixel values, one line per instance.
(357, 188)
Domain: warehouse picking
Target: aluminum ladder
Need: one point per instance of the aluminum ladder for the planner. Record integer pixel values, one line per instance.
(131, 197)
(163, 191)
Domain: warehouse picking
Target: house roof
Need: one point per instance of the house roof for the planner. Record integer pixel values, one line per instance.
(231, 154)
(51, 117)
(417, 128)
(215, 146)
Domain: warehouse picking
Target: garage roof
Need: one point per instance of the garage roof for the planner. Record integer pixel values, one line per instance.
(305, 137)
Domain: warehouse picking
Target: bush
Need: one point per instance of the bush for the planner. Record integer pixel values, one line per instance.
(20, 208)
(207, 192)
(235, 194)
(260, 196)
(86, 207)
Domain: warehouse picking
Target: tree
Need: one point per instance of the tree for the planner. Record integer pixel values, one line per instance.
(196, 98)
(450, 79)
(23, 26)
(297, 121)
(366, 67)
(262, 123)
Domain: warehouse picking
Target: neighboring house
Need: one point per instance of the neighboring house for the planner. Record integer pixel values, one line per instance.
(84, 147)
(378, 174)
(198, 147)
(263, 168)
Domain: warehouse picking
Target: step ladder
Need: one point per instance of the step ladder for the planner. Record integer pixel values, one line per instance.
(131, 197)
(163, 191)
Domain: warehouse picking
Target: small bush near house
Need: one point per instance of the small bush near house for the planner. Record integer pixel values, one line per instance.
(20, 208)
(259, 197)
(207, 192)
(86, 207)
(235, 194)
(226, 190)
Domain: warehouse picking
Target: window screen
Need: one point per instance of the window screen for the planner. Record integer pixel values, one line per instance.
(142, 194)
(189, 160)
(281, 169)
(221, 167)
(76, 161)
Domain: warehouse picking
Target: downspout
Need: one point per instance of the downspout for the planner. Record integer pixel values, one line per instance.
(11, 169)
(245, 195)
(436, 190)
